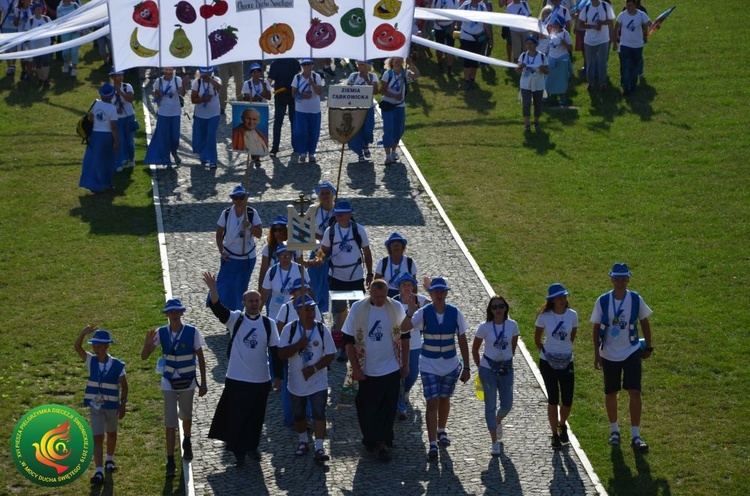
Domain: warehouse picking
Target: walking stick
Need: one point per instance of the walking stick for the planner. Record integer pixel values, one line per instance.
(338, 180)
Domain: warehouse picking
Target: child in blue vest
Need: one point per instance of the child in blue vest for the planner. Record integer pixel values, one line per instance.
(102, 396)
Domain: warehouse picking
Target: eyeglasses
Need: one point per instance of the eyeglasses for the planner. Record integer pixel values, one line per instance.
(239, 197)
(499, 306)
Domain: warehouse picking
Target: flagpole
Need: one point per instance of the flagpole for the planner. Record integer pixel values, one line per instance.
(338, 180)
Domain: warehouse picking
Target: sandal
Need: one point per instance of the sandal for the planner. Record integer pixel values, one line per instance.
(639, 445)
(443, 439)
(614, 439)
(301, 449)
(433, 453)
(320, 456)
(98, 478)
(110, 465)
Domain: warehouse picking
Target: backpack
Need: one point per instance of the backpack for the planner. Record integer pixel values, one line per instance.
(409, 264)
(355, 232)
(606, 320)
(84, 126)
(238, 323)
(293, 330)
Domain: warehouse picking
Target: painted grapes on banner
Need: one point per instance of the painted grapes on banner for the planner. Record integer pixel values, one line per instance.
(209, 32)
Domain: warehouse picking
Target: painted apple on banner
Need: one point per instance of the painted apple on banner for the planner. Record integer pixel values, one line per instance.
(210, 32)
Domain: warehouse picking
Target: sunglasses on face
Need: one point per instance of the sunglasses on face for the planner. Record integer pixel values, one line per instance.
(239, 197)
(498, 306)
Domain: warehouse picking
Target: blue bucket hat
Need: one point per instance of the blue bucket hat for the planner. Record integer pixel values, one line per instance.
(556, 290)
(306, 61)
(238, 191)
(304, 301)
(282, 249)
(281, 220)
(37, 4)
(297, 284)
(173, 304)
(206, 70)
(107, 90)
(532, 38)
(115, 72)
(324, 185)
(404, 277)
(395, 237)
(620, 270)
(253, 67)
(342, 207)
(438, 283)
(101, 337)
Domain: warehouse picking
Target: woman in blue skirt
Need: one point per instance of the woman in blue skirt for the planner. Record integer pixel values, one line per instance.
(166, 138)
(99, 165)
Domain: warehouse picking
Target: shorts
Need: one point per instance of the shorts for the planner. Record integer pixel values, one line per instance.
(625, 374)
(442, 386)
(473, 47)
(444, 37)
(183, 398)
(42, 60)
(318, 401)
(104, 420)
(558, 383)
(339, 306)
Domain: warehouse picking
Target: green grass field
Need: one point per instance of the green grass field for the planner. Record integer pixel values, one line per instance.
(658, 182)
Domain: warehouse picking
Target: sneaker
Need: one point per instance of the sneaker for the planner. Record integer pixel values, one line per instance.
(433, 453)
(362, 158)
(499, 431)
(131, 164)
(110, 465)
(443, 439)
(98, 478)
(65, 68)
(301, 449)
(273, 153)
(171, 468)
(212, 165)
(302, 158)
(73, 72)
(563, 431)
(320, 456)
(187, 449)
(496, 449)
(11, 71)
(312, 159)
(556, 443)
(639, 445)
(119, 169)
(614, 439)
(366, 151)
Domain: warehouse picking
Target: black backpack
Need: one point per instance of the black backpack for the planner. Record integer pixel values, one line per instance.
(293, 330)
(84, 126)
(409, 264)
(238, 323)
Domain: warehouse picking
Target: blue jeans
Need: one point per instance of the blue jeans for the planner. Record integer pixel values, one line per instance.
(596, 63)
(406, 384)
(492, 385)
(631, 63)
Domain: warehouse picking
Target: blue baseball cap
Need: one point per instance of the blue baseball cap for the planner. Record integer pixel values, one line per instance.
(532, 38)
(395, 237)
(101, 337)
(304, 301)
(324, 185)
(238, 191)
(107, 90)
(281, 248)
(306, 61)
(438, 283)
(297, 284)
(342, 207)
(404, 277)
(206, 70)
(620, 270)
(255, 67)
(173, 304)
(281, 220)
(556, 290)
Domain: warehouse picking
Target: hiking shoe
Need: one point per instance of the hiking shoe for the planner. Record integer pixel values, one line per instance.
(98, 478)
(320, 456)
(562, 429)
(496, 449)
(384, 455)
(212, 165)
(433, 453)
(614, 439)
(639, 444)
(171, 468)
(187, 449)
(556, 444)
(312, 159)
(366, 151)
(302, 158)
(110, 465)
(443, 439)
(73, 72)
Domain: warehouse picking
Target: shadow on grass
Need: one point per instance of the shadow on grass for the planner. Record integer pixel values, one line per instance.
(169, 488)
(641, 483)
(539, 141)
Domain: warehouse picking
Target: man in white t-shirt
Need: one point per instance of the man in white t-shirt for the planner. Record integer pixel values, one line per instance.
(308, 346)
(618, 351)
(378, 353)
(236, 228)
(597, 20)
(631, 32)
(438, 365)
(241, 412)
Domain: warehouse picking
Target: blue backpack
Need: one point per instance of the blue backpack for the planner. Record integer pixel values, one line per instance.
(607, 319)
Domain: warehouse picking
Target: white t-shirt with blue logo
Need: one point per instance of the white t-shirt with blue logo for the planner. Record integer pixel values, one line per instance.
(557, 330)
(249, 359)
(498, 340)
(380, 359)
(631, 32)
(315, 350)
(617, 346)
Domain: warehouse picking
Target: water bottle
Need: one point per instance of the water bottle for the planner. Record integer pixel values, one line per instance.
(160, 364)
(478, 388)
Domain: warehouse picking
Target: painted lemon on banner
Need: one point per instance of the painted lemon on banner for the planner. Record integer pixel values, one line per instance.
(276, 39)
(353, 23)
(180, 46)
(139, 49)
(387, 9)
(325, 7)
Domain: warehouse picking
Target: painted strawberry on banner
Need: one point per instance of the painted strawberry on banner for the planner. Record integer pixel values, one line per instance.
(218, 8)
(222, 41)
(146, 14)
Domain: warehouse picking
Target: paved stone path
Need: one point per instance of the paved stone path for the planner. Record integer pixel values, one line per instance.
(384, 199)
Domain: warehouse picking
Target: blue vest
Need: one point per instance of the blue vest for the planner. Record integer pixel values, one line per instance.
(608, 320)
(439, 339)
(107, 384)
(179, 356)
